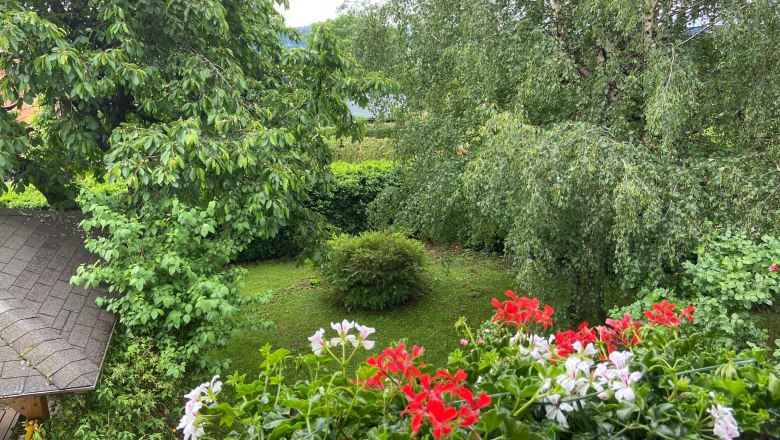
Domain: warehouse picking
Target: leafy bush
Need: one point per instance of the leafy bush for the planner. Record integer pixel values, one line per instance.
(29, 198)
(375, 270)
(731, 278)
(738, 271)
(651, 378)
(370, 148)
(344, 206)
(134, 399)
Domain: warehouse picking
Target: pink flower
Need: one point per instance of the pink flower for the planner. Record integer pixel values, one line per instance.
(773, 268)
(464, 342)
(480, 341)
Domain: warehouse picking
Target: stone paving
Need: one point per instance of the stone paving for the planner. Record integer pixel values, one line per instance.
(53, 337)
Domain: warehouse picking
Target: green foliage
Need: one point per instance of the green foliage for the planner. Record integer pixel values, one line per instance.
(736, 270)
(724, 325)
(380, 130)
(375, 270)
(354, 187)
(282, 245)
(28, 198)
(592, 138)
(135, 398)
(729, 281)
(344, 205)
(367, 149)
(215, 128)
(175, 288)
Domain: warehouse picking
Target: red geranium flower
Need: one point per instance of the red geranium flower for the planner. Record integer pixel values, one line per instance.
(688, 313)
(521, 311)
(443, 401)
(393, 361)
(564, 340)
(620, 333)
(663, 314)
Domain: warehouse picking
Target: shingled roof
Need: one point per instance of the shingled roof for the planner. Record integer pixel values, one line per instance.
(53, 338)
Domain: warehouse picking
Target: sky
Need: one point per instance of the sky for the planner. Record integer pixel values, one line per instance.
(303, 12)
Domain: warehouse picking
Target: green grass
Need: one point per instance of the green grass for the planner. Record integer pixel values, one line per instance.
(460, 284)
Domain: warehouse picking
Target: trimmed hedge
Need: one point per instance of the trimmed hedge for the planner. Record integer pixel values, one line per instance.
(345, 206)
(30, 198)
(370, 148)
(375, 270)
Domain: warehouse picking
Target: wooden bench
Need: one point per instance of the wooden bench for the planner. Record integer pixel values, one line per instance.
(8, 420)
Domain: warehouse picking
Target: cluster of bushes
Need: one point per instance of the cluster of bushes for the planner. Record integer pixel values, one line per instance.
(731, 281)
(31, 198)
(344, 205)
(654, 377)
(375, 270)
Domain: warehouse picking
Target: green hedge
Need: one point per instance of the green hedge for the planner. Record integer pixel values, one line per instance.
(370, 148)
(380, 130)
(345, 206)
(30, 198)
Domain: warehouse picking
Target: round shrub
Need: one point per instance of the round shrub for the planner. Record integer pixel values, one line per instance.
(375, 270)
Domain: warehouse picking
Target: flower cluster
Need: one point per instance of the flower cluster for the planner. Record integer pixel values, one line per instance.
(564, 341)
(203, 393)
(664, 314)
(620, 333)
(582, 376)
(521, 311)
(343, 329)
(443, 401)
(725, 426)
(538, 346)
(773, 268)
(393, 365)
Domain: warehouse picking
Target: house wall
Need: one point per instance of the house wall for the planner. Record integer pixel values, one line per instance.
(27, 112)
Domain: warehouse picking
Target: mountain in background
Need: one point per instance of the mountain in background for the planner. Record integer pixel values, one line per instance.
(304, 30)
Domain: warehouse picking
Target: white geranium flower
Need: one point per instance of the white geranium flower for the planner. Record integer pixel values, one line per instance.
(318, 341)
(189, 421)
(538, 348)
(556, 410)
(343, 327)
(725, 425)
(622, 384)
(348, 339)
(620, 358)
(365, 331)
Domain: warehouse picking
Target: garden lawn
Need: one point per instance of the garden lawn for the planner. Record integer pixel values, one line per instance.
(460, 284)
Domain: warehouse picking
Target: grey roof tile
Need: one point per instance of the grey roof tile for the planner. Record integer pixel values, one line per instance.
(52, 336)
(14, 267)
(38, 384)
(12, 386)
(27, 279)
(15, 242)
(74, 303)
(52, 306)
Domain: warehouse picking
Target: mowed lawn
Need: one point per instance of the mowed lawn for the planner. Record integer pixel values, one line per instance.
(461, 284)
